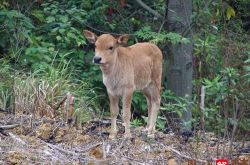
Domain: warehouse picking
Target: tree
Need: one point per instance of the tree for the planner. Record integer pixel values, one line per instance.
(179, 56)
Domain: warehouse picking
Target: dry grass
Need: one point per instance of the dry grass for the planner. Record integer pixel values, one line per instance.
(52, 95)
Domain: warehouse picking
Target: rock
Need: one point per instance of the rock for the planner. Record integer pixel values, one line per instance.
(172, 162)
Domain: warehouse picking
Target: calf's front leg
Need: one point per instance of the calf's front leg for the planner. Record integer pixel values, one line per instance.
(114, 110)
(127, 99)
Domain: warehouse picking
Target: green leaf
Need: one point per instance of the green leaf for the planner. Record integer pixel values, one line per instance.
(58, 38)
(61, 31)
(230, 12)
(38, 14)
(64, 19)
(50, 19)
(71, 35)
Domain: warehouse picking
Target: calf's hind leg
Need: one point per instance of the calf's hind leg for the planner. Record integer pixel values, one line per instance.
(147, 94)
(155, 106)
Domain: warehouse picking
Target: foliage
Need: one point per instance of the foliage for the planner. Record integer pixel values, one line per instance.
(136, 122)
(11, 20)
(171, 102)
(220, 52)
(172, 110)
(62, 38)
(146, 33)
(139, 102)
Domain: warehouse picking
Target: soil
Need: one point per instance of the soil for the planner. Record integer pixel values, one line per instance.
(47, 141)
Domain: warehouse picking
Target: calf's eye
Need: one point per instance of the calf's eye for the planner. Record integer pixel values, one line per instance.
(111, 48)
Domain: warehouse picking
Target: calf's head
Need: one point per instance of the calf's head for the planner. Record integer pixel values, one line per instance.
(105, 46)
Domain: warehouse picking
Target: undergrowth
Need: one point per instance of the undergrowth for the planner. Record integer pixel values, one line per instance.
(42, 92)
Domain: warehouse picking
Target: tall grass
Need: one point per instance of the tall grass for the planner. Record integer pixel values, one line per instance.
(41, 93)
(6, 82)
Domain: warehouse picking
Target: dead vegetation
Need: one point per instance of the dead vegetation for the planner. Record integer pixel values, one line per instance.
(47, 141)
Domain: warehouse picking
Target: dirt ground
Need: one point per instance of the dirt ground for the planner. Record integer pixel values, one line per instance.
(46, 141)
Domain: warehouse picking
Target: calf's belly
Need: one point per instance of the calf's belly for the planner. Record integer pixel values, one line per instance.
(142, 81)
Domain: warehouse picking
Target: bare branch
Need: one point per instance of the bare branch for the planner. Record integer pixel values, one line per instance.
(61, 149)
(17, 138)
(183, 155)
(6, 127)
(149, 9)
(88, 148)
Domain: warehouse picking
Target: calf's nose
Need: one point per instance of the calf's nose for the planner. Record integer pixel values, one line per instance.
(97, 60)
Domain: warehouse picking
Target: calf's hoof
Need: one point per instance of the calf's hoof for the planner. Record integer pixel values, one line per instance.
(112, 135)
(145, 129)
(150, 131)
(127, 135)
(151, 135)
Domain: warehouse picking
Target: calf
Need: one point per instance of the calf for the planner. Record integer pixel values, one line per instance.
(126, 69)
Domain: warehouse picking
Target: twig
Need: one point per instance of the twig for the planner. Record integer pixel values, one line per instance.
(60, 149)
(86, 149)
(149, 9)
(184, 156)
(162, 24)
(235, 124)
(6, 127)
(60, 103)
(16, 138)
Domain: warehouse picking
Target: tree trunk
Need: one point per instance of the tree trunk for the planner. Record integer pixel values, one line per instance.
(179, 56)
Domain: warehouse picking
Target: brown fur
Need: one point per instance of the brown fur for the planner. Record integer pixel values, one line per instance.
(126, 69)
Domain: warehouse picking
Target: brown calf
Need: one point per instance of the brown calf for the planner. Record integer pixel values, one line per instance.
(126, 69)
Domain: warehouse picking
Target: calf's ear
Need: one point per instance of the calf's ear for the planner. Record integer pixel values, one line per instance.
(91, 37)
(123, 39)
